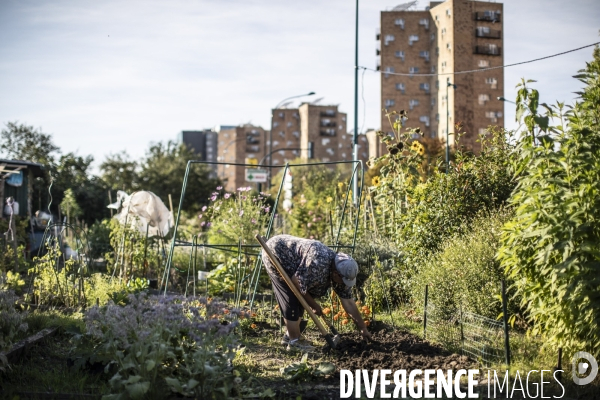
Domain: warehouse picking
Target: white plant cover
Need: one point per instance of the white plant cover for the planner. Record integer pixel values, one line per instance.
(143, 209)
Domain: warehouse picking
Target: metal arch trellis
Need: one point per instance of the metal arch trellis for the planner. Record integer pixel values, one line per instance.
(357, 173)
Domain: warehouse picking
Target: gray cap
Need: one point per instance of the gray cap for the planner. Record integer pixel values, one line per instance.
(347, 267)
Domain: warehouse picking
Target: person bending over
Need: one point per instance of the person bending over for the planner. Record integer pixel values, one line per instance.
(313, 268)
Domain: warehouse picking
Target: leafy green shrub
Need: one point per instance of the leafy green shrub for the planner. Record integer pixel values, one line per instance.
(11, 281)
(230, 218)
(552, 246)
(166, 343)
(57, 281)
(98, 236)
(418, 207)
(11, 323)
(465, 271)
(303, 371)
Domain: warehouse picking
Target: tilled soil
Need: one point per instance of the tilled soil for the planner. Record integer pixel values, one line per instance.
(394, 350)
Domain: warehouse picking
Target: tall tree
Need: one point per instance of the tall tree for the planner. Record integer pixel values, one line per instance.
(163, 170)
(22, 142)
(119, 172)
(73, 172)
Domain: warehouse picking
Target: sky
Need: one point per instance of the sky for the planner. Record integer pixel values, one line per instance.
(112, 75)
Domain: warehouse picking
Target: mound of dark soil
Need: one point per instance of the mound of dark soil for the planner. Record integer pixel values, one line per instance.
(394, 350)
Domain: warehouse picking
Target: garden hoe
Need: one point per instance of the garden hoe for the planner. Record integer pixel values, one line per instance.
(332, 341)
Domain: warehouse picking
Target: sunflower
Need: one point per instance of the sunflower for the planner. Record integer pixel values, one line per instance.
(421, 150)
(376, 181)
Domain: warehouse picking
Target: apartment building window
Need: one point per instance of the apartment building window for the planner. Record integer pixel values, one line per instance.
(400, 54)
(387, 71)
(483, 30)
(448, 12)
(413, 103)
(482, 131)
(282, 134)
(432, 37)
(401, 87)
(399, 22)
(281, 115)
(289, 124)
(424, 22)
(433, 69)
(483, 98)
(328, 132)
(296, 134)
(389, 103)
(388, 38)
(289, 143)
(328, 113)
(493, 82)
(483, 64)
(412, 39)
(493, 116)
(424, 86)
(443, 65)
(432, 102)
(275, 124)
(413, 70)
(424, 119)
(449, 46)
(424, 54)
(443, 31)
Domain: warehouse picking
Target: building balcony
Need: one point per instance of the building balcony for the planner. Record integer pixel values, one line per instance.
(328, 113)
(328, 124)
(488, 50)
(492, 34)
(327, 132)
(487, 16)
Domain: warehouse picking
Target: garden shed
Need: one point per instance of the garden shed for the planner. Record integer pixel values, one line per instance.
(16, 180)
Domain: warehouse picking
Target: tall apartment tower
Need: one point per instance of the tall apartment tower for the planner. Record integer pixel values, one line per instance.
(320, 128)
(204, 145)
(243, 144)
(446, 38)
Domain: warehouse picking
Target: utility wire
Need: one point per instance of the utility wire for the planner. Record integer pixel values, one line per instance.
(482, 69)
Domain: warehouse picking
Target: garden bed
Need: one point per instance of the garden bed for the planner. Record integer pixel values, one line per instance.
(394, 350)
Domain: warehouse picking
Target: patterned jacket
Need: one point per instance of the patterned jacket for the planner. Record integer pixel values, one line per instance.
(309, 260)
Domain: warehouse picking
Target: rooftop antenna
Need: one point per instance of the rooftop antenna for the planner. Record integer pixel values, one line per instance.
(405, 6)
(284, 105)
(317, 101)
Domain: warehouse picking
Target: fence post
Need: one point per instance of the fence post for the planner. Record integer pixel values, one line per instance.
(559, 365)
(425, 313)
(462, 333)
(505, 318)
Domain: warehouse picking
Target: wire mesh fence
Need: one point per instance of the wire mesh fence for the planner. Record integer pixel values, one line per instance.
(471, 334)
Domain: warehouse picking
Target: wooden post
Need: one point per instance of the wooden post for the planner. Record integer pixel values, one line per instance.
(110, 202)
(171, 204)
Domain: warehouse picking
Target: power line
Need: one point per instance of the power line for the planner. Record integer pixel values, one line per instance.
(483, 69)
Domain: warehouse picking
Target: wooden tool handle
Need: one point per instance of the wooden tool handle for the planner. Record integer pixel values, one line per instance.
(287, 279)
